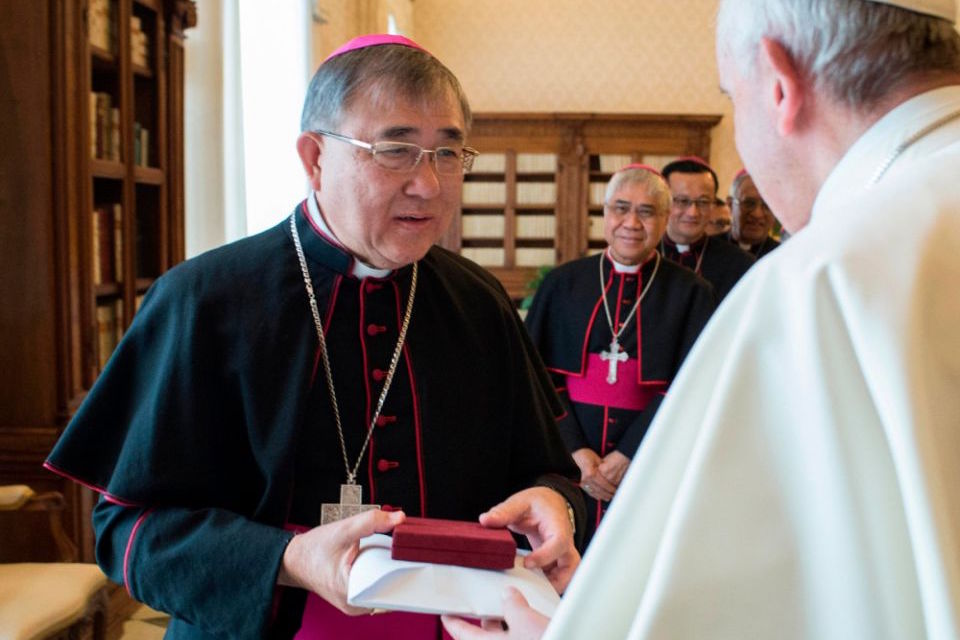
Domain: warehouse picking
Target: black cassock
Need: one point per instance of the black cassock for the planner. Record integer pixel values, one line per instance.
(569, 326)
(211, 429)
(720, 263)
(756, 250)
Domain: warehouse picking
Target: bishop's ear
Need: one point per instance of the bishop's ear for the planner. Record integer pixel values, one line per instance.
(786, 84)
(309, 147)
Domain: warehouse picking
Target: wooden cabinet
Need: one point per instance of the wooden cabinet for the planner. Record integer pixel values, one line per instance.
(534, 197)
(92, 207)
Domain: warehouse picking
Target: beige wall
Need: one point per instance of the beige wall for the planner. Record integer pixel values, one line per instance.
(349, 18)
(639, 56)
(633, 56)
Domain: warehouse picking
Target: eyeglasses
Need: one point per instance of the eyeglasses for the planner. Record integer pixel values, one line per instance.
(405, 156)
(621, 208)
(683, 202)
(749, 205)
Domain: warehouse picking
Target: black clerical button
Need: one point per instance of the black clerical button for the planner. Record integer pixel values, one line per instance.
(384, 465)
(612, 420)
(374, 329)
(383, 421)
(373, 286)
(378, 374)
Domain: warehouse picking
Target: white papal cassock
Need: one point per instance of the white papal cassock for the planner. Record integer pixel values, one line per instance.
(802, 478)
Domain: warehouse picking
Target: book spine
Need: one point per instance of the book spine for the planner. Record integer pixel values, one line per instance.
(94, 139)
(114, 127)
(119, 324)
(97, 274)
(118, 242)
(103, 125)
(144, 146)
(103, 243)
(106, 333)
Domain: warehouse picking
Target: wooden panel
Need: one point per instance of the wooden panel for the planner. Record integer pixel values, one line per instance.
(26, 257)
(574, 138)
(48, 186)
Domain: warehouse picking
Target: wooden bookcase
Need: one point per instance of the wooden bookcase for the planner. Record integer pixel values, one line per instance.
(534, 197)
(65, 308)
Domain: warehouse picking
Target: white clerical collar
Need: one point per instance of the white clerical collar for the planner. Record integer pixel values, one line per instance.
(358, 269)
(853, 173)
(746, 246)
(683, 248)
(623, 268)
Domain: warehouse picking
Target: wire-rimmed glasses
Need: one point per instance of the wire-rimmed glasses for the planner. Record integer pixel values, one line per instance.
(404, 157)
(645, 212)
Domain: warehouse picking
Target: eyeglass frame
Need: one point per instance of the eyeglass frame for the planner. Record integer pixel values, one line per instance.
(639, 209)
(759, 202)
(467, 155)
(702, 204)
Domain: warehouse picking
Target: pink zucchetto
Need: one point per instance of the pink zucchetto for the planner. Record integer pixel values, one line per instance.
(639, 165)
(374, 40)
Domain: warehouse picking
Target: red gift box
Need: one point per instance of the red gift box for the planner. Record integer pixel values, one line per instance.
(463, 543)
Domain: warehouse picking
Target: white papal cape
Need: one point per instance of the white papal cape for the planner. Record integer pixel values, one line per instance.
(802, 478)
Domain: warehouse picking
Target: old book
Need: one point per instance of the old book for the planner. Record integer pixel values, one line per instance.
(117, 242)
(106, 333)
(103, 254)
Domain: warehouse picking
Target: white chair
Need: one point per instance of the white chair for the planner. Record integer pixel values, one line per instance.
(61, 599)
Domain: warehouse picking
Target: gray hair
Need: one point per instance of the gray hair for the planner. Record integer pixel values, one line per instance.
(653, 182)
(856, 51)
(381, 74)
(737, 181)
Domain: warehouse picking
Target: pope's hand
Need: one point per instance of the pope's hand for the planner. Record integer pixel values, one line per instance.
(523, 622)
(320, 559)
(540, 514)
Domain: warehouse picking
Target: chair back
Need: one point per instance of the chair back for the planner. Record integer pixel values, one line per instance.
(31, 526)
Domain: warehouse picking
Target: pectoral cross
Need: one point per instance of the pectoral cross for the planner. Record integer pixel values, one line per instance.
(613, 357)
(351, 497)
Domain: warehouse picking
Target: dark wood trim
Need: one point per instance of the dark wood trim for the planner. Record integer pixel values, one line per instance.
(51, 185)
